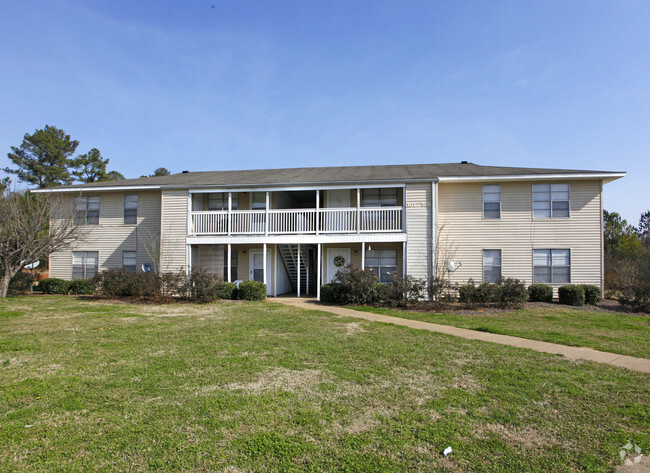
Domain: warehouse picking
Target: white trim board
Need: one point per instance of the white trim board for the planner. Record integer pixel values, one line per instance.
(295, 239)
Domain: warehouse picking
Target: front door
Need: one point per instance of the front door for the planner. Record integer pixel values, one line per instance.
(256, 268)
(334, 266)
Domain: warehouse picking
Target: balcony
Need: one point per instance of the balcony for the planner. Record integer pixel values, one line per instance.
(297, 221)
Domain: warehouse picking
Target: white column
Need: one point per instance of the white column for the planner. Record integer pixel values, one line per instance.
(275, 271)
(317, 223)
(190, 230)
(264, 265)
(229, 262)
(358, 210)
(404, 259)
(298, 269)
(318, 272)
(363, 256)
(266, 215)
(188, 268)
(229, 212)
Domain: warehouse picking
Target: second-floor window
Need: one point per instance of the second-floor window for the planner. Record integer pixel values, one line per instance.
(383, 263)
(86, 210)
(258, 200)
(131, 208)
(491, 201)
(382, 197)
(219, 201)
(550, 200)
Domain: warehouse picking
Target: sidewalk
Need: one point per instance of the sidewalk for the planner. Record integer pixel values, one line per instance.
(572, 353)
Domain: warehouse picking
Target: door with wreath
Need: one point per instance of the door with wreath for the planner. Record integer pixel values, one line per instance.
(337, 258)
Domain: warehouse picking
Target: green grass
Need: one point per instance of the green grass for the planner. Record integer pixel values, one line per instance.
(627, 334)
(91, 386)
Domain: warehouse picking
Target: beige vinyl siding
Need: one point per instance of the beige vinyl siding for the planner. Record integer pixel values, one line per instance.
(173, 230)
(464, 232)
(111, 237)
(419, 205)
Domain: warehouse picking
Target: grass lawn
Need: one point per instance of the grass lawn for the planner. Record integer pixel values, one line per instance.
(627, 334)
(96, 386)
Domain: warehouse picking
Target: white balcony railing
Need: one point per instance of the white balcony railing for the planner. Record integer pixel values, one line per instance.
(297, 221)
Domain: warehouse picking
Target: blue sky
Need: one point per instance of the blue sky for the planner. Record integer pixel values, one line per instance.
(208, 85)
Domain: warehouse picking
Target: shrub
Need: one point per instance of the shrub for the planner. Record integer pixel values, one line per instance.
(226, 290)
(330, 293)
(82, 286)
(252, 291)
(571, 294)
(593, 294)
(468, 293)
(355, 286)
(21, 282)
(384, 295)
(406, 289)
(116, 283)
(540, 293)
(512, 292)
(487, 293)
(53, 286)
(436, 287)
(202, 286)
(636, 296)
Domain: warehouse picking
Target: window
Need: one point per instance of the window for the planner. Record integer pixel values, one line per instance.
(131, 208)
(382, 197)
(129, 261)
(491, 201)
(491, 265)
(84, 264)
(258, 200)
(219, 201)
(551, 266)
(550, 200)
(383, 263)
(233, 264)
(86, 210)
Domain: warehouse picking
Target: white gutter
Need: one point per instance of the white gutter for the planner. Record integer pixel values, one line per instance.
(610, 176)
(94, 189)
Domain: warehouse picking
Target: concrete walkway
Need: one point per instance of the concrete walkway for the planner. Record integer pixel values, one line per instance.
(572, 353)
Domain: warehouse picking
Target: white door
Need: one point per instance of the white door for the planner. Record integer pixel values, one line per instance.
(256, 268)
(332, 268)
(338, 198)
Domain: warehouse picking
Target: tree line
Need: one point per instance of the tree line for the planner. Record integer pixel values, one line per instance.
(46, 158)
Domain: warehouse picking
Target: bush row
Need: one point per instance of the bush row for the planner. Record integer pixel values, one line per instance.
(507, 292)
(59, 286)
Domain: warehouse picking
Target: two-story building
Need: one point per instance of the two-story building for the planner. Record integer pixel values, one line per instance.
(293, 228)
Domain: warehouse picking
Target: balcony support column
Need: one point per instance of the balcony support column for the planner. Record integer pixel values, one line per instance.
(358, 210)
(266, 215)
(275, 270)
(229, 213)
(229, 262)
(363, 256)
(264, 265)
(316, 223)
(318, 264)
(298, 269)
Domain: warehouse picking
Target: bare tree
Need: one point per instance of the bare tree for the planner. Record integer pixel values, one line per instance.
(31, 228)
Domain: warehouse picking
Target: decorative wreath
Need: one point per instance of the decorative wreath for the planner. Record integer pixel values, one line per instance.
(339, 261)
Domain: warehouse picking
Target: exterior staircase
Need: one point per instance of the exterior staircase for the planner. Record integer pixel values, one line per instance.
(289, 254)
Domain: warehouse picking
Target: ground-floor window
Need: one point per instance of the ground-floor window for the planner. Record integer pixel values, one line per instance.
(129, 261)
(383, 263)
(551, 266)
(84, 264)
(491, 265)
(233, 264)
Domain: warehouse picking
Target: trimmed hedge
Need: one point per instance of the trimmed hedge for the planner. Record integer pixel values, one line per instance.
(512, 292)
(540, 293)
(53, 286)
(571, 294)
(82, 286)
(21, 282)
(252, 291)
(226, 290)
(507, 292)
(593, 294)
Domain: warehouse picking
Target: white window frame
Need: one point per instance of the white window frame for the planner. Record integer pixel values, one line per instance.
(223, 204)
(551, 201)
(488, 187)
(551, 265)
(493, 266)
(128, 209)
(133, 254)
(82, 209)
(377, 269)
(84, 256)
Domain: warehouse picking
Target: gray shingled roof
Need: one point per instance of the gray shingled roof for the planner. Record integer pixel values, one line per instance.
(330, 175)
